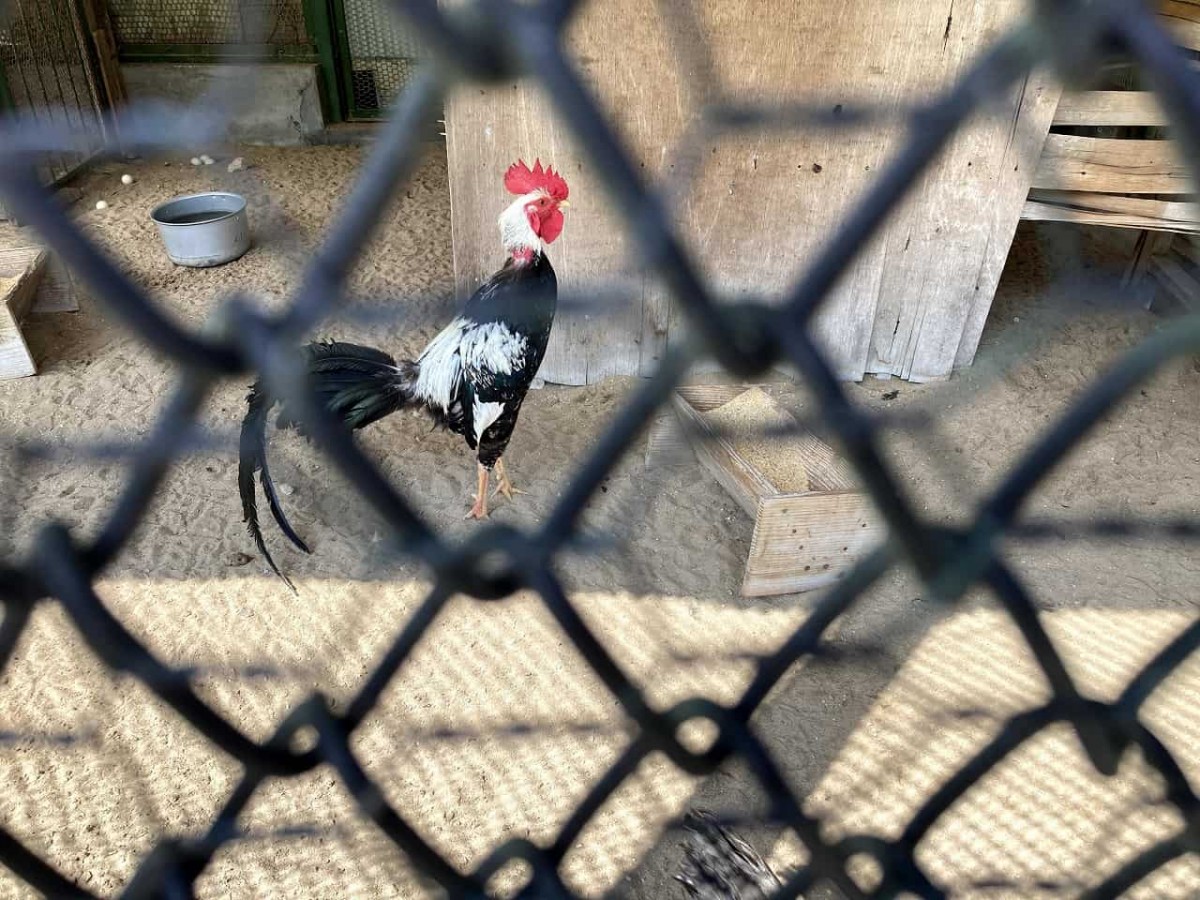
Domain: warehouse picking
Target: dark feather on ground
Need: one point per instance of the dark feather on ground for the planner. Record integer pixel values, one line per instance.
(719, 865)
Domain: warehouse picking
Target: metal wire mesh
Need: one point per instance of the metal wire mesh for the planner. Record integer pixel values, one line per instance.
(498, 39)
(383, 55)
(274, 22)
(45, 66)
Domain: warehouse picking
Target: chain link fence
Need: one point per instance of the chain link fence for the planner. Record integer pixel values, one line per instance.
(490, 40)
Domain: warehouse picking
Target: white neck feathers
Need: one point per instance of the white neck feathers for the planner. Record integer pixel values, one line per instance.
(515, 231)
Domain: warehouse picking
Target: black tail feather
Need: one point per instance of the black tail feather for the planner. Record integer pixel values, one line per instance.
(252, 457)
(360, 385)
(268, 486)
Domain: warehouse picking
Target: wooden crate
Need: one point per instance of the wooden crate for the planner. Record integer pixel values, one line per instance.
(802, 541)
(1123, 172)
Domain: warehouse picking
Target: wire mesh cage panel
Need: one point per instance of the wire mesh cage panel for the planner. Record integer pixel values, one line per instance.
(46, 75)
(163, 22)
(383, 56)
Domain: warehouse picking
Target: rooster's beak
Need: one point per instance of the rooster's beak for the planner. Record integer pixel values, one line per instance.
(564, 205)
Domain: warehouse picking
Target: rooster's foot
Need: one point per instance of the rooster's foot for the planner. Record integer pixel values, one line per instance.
(480, 510)
(504, 486)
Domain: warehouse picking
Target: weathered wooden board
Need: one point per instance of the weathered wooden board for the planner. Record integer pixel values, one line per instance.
(20, 272)
(805, 541)
(667, 445)
(1073, 163)
(762, 203)
(1106, 108)
(1034, 109)
(1114, 210)
(109, 91)
(57, 291)
(489, 127)
(946, 249)
(1182, 17)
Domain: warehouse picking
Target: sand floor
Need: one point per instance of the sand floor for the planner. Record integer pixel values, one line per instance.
(496, 727)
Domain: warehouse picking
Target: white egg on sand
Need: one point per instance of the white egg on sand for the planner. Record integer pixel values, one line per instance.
(195, 160)
(207, 160)
(101, 204)
(126, 179)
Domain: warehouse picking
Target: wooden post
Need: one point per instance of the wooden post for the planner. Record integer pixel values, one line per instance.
(98, 25)
(319, 20)
(6, 98)
(1149, 244)
(6, 104)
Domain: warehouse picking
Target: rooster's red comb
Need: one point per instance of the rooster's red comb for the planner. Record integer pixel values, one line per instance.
(520, 179)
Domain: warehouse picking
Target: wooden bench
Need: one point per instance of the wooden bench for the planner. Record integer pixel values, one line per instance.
(1107, 162)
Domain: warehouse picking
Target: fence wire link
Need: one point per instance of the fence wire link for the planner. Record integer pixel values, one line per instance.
(502, 39)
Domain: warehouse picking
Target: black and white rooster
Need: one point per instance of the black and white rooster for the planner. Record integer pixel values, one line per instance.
(471, 378)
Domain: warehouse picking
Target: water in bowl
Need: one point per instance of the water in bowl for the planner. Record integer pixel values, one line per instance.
(196, 218)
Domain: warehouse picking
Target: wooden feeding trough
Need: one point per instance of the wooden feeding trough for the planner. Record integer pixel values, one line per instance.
(805, 537)
(20, 273)
(32, 280)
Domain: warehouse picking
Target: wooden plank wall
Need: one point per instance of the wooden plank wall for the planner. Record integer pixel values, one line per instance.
(913, 303)
(1073, 163)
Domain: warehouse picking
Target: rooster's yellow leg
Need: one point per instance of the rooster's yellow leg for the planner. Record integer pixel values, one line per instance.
(504, 486)
(480, 510)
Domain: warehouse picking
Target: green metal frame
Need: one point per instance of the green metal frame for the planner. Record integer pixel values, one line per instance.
(320, 21)
(345, 67)
(342, 64)
(198, 53)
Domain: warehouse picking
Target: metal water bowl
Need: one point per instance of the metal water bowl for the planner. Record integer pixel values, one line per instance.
(204, 229)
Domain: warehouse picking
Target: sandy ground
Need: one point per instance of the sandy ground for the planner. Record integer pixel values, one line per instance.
(496, 728)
